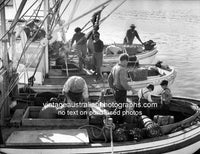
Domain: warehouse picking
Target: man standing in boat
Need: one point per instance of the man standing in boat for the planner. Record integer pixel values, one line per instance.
(81, 46)
(118, 81)
(166, 95)
(130, 35)
(97, 55)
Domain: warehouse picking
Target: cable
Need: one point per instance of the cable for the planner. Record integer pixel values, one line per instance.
(101, 129)
(56, 12)
(63, 11)
(16, 22)
(11, 87)
(81, 16)
(3, 5)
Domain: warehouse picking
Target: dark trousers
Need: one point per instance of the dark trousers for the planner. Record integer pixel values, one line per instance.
(120, 97)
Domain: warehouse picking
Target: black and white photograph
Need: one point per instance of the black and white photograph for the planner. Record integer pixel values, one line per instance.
(99, 76)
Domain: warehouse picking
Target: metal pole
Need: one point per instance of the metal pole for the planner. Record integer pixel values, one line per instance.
(46, 55)
(5, 110)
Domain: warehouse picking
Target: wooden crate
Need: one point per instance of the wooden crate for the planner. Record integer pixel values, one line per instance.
(30, 118)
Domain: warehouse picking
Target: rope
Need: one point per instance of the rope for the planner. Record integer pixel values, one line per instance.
(2, 2)
(102, 20)
(17, 21)
(25, 48)
(57, 4)
(73, 12)
(95, 23)
(62, 13)
(3, 5)
(31, 40)
(11, 87)
(81, 16)
(85, 25)
(96, 136)
(31, 79)
(38, 9)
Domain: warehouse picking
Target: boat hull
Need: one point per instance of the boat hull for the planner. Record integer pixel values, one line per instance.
(145, 57)
(186, 141)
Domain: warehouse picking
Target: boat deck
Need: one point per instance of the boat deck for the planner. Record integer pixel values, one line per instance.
(57, 77)
(49, 137)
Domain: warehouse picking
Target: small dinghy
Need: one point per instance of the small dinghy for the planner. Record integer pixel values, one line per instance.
(145, 55)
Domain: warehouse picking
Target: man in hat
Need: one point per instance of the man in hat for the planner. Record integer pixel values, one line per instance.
(130, 35)
(81, 46)
(76, 92)
(76, 89)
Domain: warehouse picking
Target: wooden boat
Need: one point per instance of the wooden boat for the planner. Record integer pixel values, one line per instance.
(182, 136)
(57, 77)
(26, 133)
(112, 52)
(143, 56)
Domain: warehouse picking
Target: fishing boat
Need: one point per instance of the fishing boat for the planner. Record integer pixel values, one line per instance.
(182, 135)
(25, 132)
(139, 78)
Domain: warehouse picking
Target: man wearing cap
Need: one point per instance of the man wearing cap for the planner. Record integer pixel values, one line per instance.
(130, 35)
(81, 46)
(118, 81)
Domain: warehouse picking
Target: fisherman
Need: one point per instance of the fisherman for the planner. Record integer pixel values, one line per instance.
(81, 46)
(118, 81)
(144, 96)
(90, 45)
(76, 91)
(97, 57)
(166, 94)
(130, 35)
(145, 93)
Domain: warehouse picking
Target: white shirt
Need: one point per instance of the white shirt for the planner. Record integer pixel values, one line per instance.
(145, 94)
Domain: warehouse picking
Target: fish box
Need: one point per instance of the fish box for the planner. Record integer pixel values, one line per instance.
(163, 120)
(30, 118)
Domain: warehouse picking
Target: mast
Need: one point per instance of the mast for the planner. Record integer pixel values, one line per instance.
(5, 108)
(46, 26)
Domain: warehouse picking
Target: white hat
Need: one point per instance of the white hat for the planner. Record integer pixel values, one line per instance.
(76, 84)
